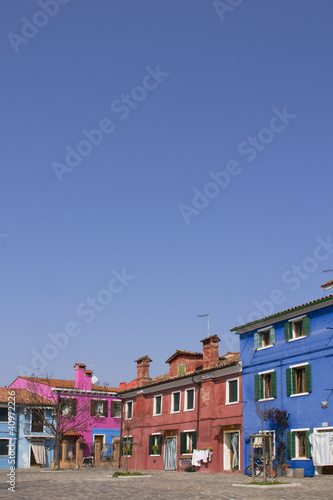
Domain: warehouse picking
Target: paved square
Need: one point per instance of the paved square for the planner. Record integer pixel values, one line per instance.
(91, 483)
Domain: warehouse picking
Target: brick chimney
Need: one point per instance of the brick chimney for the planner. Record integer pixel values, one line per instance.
(142, 366)
(210, 351)
(79, 375)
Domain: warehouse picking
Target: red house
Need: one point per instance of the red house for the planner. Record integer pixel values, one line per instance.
(190, 415)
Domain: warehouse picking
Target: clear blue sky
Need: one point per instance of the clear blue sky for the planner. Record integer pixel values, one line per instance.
(180, 91)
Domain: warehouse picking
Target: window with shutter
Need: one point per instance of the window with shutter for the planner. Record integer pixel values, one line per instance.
(265, 385)
(92, 408)
(188, 442)
(105, 408)
(181, 370)
(264, 338)
(299, 380)
(298, 444)
(297, 328)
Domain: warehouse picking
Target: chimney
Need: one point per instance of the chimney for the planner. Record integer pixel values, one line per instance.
(87, 379)
(79, 375)
(122, 385)
(142, 367)
(210, 351)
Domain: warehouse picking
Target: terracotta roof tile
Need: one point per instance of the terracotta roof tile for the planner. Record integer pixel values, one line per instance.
(66, 384)
(328, 284)
(23, 397)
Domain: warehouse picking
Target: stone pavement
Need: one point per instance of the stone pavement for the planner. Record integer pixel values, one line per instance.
(93, 483)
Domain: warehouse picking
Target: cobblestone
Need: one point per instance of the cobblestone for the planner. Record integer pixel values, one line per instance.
(91, 483)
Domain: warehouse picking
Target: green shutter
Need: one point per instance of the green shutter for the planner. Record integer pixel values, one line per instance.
(288, 333)
(261, 387)
(272, 335)
(288, 381)
(274, 388)
(194, 440)
(291, 444)
(308, 446)
(308, 380)
(293, 381)
(256, 340)
(306, 325)
(159, 444)
(131, 445)
(151, 442)
(256, 387)
(182, 443)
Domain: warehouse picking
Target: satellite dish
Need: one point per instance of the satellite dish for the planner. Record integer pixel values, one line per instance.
(94, 380)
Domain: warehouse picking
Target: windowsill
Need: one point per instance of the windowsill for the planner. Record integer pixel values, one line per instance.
(189, 409)
(265, 347)
(266, 399)
(157, 414)
(232, 403)
(155, 455)
(300, 458)
(299, 394)
(187, 454)
(298, 338)
(177, 411)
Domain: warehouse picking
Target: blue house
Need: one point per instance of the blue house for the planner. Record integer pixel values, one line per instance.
(25, 440)
(287, 362)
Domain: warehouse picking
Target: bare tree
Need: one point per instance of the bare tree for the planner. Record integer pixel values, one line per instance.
(128, 425)
(59, 415)
(262, 409)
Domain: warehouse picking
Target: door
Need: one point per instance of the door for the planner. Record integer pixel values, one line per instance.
(170, 453)
(231, 450)
(99, 438)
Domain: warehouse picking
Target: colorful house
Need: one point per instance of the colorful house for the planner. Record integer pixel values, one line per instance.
(193, 413)
(24, 440)
(93, 412)
(287, 362)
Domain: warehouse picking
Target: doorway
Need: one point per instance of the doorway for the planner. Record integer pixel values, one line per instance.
(170, 453)
(231, 450)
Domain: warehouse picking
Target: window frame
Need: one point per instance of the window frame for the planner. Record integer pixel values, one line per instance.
(113, 412)
(290, 376)
(173, 402)
(105, 408)
(126, 409)
(36, 423)
(261, 390)
(130, 443)
(266, 432)
(181, 368)
(290, 331)
(186, 399)
(155, 439)
(293, 444)
(228, 402)
(155, 414)
(190, 437)
(258, 338)
(9, 443)
(4, 421)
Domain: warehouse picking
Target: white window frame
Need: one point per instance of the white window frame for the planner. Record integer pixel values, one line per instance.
(296, 320)
(228, 391)
(172, 402)
(155, 398)
(274, 443)
(297, 457)
(186, 401)
(188, 432)
(266, 373)
(126, 410)
(264, 330)
(156, 454)
(299, 365)
(129, 437)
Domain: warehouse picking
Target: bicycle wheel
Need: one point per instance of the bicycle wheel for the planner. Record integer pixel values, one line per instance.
(268, 470)
(257, 470)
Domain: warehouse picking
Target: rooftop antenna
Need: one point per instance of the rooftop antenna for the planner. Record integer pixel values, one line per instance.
(202, 316)
(90, 360)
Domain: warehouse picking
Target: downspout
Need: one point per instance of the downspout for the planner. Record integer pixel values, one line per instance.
(121, 432)
(16, 445)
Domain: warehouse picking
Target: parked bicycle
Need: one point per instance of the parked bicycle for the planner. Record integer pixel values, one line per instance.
(258, 465)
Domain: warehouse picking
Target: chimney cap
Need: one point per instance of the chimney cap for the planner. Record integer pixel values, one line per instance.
(88, 372)
(143, 358)
(211, 337)
(79, 365)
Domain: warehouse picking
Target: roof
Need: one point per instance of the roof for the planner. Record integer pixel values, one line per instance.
(23, 397)
(143, 358)
(182, 353)
(229, 359)
(211, 337)
(327, 285)
(67, 384)
(282, 313)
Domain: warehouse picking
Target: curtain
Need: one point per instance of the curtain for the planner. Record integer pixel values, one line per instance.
(170, 454)
(234, 446)
(322, 448)
(38, 449)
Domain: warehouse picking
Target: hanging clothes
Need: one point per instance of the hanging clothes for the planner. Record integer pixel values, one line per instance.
(322, 448)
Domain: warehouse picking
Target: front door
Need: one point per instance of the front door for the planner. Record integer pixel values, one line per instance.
(170, 453)
(99, 438)
(231, 450)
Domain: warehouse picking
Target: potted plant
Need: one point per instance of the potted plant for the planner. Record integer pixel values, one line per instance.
(155, 449)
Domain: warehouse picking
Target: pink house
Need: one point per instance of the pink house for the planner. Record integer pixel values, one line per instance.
(95, 411)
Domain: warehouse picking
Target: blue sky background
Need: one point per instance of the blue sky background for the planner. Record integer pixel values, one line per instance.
(60, 241)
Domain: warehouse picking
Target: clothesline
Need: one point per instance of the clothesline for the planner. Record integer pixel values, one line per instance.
(202, 455)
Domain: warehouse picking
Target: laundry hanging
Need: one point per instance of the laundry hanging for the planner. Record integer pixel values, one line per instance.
(322, 448)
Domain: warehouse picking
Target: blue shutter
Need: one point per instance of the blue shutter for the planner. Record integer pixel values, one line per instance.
(272, 335)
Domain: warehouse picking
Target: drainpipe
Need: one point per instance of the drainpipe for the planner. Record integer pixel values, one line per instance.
(198, 384)
(121, 432)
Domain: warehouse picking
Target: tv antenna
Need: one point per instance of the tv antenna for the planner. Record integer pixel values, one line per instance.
(203, 316)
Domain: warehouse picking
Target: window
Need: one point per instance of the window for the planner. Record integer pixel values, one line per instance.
(189, 399)
(188, 442)
(129, 409)
(98, 408)
(264, 338)
(232, 391)
(265, 385)
(127, 446)
(181, 370)
(37, 420)
(4, 443)
(4, 414)
(155, 444)
(116, 408)
(68, 407)
(157, 405)
(298, 444)
(298, 379)
(297, 328)
(175, 402)
(258, 443)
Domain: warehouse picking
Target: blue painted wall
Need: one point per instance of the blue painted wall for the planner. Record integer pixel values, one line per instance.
(316, 349)
(109, 434)
(23, 443)
(5, 434)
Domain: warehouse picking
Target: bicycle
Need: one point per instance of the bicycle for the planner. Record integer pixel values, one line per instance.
(259, 468)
